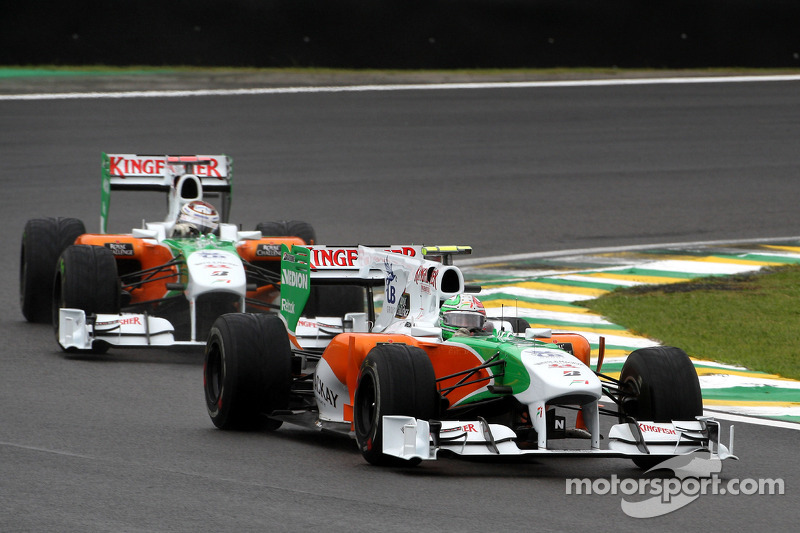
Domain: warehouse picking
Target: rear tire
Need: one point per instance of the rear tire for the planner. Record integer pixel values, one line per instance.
(247, 371)
(396, 379)
(43, 240)
(288, 228)
(660, 384)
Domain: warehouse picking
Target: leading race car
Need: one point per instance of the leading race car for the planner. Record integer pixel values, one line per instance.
(164, 283)
(418, 378)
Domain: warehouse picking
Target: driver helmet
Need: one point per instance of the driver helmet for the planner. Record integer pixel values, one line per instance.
(462, 315)
(196, 218)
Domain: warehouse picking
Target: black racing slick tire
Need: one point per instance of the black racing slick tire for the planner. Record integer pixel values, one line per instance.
(43, 240)
(86, 278)
(659, 384)
(395, 379)
(247, 372)
(288, 228)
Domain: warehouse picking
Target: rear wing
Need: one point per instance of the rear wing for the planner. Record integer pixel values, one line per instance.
(183, 177)
(347, 261)
(416, 278)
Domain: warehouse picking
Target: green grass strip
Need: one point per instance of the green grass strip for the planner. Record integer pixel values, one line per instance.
(751, 320)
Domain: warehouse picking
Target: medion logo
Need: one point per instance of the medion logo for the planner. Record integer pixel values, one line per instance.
(294, 279)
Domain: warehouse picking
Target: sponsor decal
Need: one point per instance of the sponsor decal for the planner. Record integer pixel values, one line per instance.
(402, 306)
(346, 257)
(554, 364)
(268, 250)
(155, 166)
(288, 306)
(324, 393)
(294, 279)
(134, 320)
(579, 382)
(120, 248)
(469, 428)
(648, 428)
(544, 352)
(572, 372)
(205, 254)
(425, 276)
(340, 257)
(121, 166)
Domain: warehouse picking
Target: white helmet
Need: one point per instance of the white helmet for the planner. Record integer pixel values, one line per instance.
(198, 216)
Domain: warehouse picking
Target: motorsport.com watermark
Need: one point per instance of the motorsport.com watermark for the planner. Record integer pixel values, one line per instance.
(696, 475)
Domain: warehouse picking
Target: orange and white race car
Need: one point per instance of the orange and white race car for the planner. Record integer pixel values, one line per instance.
(430, 373)
(164, 283)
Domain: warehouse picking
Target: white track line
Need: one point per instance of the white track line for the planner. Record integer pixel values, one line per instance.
(401, 87)
(721, 415)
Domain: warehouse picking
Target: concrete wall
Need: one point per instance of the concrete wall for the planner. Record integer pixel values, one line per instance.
(403, 33)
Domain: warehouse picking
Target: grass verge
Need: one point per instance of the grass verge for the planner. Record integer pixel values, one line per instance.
(751, 320)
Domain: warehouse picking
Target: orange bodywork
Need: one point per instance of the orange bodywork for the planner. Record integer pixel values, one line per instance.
(347, 351)
(254, 251)
(144, 254)
(580, 346)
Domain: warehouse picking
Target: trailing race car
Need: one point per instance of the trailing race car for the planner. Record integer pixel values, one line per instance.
(419, 378)
(171, 278)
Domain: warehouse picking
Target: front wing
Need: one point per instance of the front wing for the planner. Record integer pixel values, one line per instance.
(410, 438)
(75, 331)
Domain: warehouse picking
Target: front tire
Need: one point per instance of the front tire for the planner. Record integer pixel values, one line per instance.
(86, 278)
(659, 384)
(396, 379)
(247, 371)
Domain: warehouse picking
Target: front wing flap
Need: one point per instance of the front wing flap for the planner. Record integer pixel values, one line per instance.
(77, 331)
(410, 438)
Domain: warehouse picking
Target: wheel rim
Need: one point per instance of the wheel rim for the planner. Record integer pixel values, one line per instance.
(366, 405)
(214, 374)
(630, 398)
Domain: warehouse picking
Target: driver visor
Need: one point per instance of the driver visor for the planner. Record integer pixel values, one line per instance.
(464, 319)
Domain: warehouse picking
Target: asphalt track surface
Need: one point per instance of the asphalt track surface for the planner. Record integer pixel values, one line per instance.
(122, 442)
